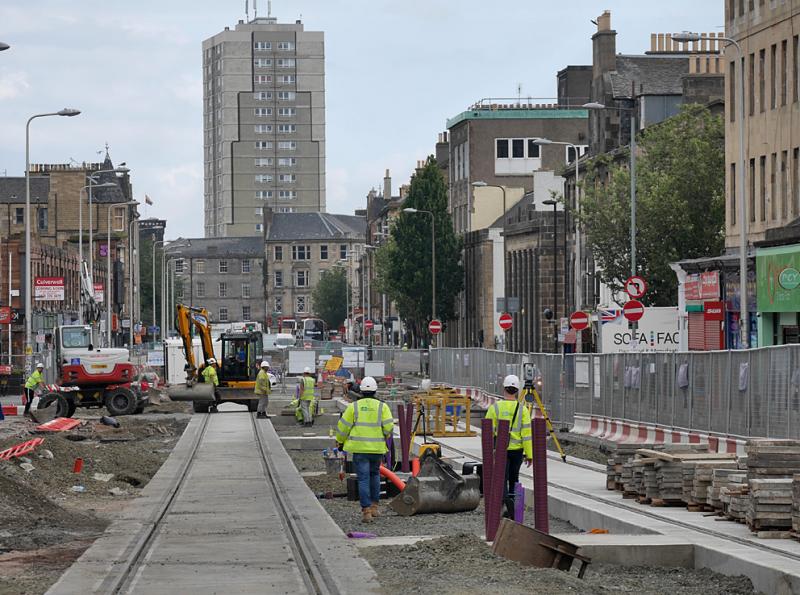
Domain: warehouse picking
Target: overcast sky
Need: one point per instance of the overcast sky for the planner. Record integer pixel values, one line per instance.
(395, 71)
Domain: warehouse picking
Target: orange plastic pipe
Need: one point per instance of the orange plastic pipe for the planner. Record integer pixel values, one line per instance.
(414, 467)
(398, 483)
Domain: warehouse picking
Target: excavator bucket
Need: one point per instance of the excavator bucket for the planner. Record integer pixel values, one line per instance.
(437, 488)
(200, 392)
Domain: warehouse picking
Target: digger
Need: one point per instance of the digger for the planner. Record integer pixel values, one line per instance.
(238, 365)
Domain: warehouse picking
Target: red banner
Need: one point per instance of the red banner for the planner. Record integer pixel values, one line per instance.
(692, 287)
(709, 285)
(5, 315)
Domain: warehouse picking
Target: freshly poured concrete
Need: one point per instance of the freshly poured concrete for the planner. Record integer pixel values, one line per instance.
(223, 532)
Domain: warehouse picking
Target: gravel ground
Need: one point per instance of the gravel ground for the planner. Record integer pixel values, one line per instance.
(465, 565)
(46, 525)
(579, 451)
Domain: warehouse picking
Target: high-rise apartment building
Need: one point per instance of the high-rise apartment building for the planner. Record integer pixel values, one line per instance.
(263, 124)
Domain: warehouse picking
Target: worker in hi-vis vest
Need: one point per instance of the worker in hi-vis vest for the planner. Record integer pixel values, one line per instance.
(362, 430)
(34, 381)
(520, 441)
(307, 383)
(262, 389)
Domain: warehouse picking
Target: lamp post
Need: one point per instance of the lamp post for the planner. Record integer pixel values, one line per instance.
(632, 114)
(482, 184)
(554, 204)
(578, 239)
(171, 245)
(108, 266)
(80, 238)
(433, 258)
(744, 311)
(29, 285)
(93, 184)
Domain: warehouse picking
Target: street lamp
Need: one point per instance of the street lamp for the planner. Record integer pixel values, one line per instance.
(177, 243)
(80, 239)
(433, 256)
(554, 204)
(482, 184)
(744, 312)
(632, 113)
(4, 46)
(107, 295)
(93, 184)
(28, 303)
(578, 240)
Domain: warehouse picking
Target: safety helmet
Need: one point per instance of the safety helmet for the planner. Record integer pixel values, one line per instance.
(211, 360)
(40, 365)
(368, 385)
(265, 364)
(425, 385)
(511, 381)
(306, 370)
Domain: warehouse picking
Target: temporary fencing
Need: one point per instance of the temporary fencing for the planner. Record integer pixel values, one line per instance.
(752, 392)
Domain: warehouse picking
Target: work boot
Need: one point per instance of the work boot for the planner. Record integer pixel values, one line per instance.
(374, 510)
(366, 515)
(509, 513)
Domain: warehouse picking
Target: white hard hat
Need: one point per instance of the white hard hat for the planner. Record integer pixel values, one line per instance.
(369, 385)
(265, 364)
(306, 370)
(211, 360)
(512, 380)
(425, 385)
(40, 365)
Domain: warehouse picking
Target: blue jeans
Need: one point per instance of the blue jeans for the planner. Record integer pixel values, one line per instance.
(369, 477)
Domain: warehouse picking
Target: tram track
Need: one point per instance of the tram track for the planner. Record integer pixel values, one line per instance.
(644, 512)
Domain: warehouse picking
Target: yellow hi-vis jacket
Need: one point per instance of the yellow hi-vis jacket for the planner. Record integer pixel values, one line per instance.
(520, 430)
(308, 389)
(364, 426)
(210, 375)
(262, 383)
(34, 380)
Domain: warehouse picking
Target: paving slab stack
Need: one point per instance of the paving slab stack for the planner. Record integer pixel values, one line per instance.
(702, 480)
(796, 505)
(723, 479)
(771, 466)
(615, 468)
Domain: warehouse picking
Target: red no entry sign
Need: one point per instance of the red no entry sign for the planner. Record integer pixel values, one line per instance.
(368, 324)
(506, 322)
(435, 326)
(579, 320)
(633, 310)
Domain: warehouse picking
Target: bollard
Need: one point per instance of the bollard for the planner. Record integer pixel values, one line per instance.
(405, 447)
(519, 503)
(409, 425)
(541, 515)
(487, 449)
(498, 477)
(77, 467)
(390, 452)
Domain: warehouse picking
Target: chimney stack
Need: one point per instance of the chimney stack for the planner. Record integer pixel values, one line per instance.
(387, 186)
(604, 46)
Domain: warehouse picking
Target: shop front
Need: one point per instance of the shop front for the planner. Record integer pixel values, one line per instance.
(778, 275)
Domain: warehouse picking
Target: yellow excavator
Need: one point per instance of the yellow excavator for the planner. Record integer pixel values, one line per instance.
(240, 355)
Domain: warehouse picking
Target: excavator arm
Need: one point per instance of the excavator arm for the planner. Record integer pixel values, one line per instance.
(185, 318)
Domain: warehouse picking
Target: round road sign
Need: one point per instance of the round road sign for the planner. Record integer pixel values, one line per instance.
(435, 326)
(579, 320)
(636, 287)
(506, 322)
(633, 310)
(368, 324)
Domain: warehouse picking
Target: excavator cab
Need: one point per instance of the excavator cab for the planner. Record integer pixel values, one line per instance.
(241, 354)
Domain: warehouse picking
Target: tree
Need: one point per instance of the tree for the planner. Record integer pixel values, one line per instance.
(680, 195)
(330, 297)
(404, 263)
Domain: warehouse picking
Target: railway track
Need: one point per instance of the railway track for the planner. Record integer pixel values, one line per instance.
(303, 570)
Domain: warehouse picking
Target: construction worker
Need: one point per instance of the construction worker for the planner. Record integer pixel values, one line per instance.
(263, 389)
(520, 442)
(210, 372)
(307, 383)
(362, 430)
(34, 381)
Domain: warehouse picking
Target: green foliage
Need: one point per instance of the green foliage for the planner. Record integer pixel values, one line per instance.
(680, 194)
(404, 262)
(330, 297)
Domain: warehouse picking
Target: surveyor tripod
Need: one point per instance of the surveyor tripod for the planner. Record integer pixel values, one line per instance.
(530, 396)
